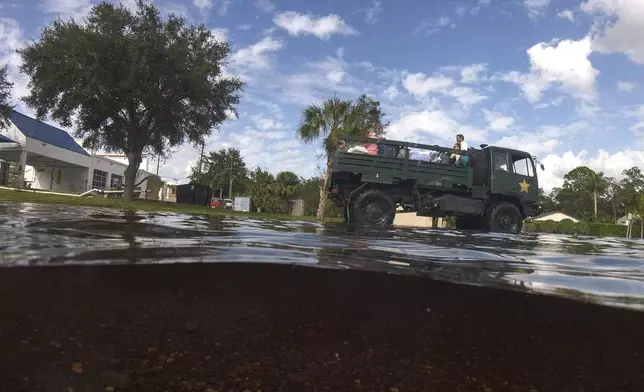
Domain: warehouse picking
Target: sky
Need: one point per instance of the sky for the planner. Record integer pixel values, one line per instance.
(561, 79)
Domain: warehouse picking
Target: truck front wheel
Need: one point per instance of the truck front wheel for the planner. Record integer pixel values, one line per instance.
(374, 208)
(505, 218)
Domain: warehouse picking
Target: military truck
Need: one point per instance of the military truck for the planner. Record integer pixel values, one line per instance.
(489, 188)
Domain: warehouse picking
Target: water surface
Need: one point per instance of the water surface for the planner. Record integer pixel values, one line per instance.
(609, 271)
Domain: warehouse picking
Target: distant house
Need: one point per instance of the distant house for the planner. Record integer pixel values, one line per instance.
(555, 216)
(53, 161)
(624, 220)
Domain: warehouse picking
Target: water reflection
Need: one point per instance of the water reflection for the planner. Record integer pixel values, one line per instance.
(601, 270)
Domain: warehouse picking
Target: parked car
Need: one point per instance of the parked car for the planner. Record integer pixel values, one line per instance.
(216, 203)
(228, 203)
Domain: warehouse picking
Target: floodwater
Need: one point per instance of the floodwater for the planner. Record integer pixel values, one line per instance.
(603, 270)
(172, 302)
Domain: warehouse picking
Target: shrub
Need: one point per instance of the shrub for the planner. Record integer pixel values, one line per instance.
(566, 226)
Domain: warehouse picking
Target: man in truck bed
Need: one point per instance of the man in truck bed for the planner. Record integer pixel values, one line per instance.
(495, 190)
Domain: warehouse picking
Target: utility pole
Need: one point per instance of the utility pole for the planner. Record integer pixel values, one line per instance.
(230, 181)
(201, 159)
(158, 160)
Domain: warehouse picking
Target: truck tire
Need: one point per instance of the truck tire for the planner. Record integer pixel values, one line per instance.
(505, 218)
(373, 208)
(479, 163)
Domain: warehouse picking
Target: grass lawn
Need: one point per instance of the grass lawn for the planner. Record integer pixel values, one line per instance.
(139, 205)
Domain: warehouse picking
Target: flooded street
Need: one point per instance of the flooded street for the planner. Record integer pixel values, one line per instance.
(602, 270)
(181, 307)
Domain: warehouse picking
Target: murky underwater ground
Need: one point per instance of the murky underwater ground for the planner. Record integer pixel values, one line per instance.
(191, 303)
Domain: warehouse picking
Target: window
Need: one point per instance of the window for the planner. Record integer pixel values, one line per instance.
(116, 181)
(500, 160)
(99, 180)
(523, 166)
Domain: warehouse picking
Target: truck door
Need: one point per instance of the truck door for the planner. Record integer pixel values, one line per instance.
(500, 176)
(513, 175)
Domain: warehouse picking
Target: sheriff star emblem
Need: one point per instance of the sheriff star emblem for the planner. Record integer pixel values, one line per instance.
(524, 186)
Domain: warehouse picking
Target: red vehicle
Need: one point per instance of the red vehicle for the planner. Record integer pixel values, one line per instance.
(216, 203)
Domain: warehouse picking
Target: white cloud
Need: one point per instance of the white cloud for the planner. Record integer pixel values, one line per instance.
(11, 39)
(257, 55)
(625, 86)
(536, 7)
(429, 27)
(65, 9)
(264, 123)
(566, 14)
(481, 3)
(243, 27)
(391, 93)
(470, 74)
(220, 34)
(202, 4)
(562, 63)
(432, 127)
(421, 85)
(497, 121)
(223, 7)
(545, 139)
(372, 13)
(620, 27)
(264, 6)
(304, 24)
(557, 166)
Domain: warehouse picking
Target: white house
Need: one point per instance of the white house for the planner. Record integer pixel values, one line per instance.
(555, 216)
(53, 161)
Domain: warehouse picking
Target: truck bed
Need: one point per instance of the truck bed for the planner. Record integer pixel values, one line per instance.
(391, 170)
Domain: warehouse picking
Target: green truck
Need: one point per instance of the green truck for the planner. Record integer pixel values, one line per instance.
(489, 188)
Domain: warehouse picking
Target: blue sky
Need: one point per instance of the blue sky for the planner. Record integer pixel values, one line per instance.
(559, 78)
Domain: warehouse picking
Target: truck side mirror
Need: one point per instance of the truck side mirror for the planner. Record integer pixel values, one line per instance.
(542, 167)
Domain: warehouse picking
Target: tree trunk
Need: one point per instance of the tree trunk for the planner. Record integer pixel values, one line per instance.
(322, 204)
(134, 161)
(595, 203)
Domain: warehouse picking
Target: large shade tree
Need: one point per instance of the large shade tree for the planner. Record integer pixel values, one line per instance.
(333, 119)
(131, 82)
(5, 97)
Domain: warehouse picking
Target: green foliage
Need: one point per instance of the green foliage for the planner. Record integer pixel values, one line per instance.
(132, 82)
(5, 97)
(335, 118)
(607, 230)
(219, 167)
(569, 227)
(576, 197)
(270, 193)
(566, 226)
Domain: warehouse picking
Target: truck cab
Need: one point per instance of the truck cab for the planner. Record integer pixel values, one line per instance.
(494, 188)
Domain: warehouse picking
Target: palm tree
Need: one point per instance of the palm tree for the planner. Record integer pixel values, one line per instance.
(331, 120)
(597, 184)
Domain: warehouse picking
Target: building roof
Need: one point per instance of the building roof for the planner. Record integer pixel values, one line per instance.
(38, 130)
(4, 139)
(547, 214)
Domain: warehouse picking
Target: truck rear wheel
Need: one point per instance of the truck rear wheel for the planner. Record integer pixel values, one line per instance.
(374, 208)
(505, 218)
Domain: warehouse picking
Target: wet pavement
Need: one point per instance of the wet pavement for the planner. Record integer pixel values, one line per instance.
(191, 303)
